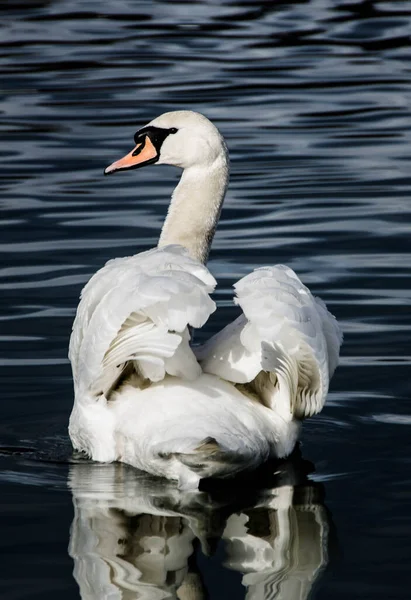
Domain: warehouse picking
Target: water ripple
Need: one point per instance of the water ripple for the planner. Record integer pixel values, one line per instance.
(313, 98)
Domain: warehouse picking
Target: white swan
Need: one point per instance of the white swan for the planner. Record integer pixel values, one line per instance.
(143, 396)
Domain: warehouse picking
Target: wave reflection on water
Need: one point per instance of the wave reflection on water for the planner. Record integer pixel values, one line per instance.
(144, 538)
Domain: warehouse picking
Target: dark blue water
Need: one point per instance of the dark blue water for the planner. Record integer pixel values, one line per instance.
(314, 99)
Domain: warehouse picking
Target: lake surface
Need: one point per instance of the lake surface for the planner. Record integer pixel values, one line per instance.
(313, 98)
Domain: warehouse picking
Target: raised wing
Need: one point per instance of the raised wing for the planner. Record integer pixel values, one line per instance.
(134, 313)
(284, 346)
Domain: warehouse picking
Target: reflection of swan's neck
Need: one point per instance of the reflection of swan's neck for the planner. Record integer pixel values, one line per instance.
(195, 208)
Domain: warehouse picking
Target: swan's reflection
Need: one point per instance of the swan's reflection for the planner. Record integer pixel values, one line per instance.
(135, 537)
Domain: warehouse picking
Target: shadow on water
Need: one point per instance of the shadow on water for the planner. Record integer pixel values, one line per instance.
(133, 536)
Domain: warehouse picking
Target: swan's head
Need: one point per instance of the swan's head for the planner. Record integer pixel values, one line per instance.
(182, 138)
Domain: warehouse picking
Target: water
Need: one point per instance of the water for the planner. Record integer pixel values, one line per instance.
(313, 98)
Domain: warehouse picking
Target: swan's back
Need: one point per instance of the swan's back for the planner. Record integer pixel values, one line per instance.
(192, 430)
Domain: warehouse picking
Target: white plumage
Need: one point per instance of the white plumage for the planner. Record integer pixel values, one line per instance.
(141, 394)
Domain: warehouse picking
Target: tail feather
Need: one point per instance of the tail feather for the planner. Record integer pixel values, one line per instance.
(210, 459)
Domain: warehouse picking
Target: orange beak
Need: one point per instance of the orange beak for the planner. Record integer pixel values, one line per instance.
(144, 153)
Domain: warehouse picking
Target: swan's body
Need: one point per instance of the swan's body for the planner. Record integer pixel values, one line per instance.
(142, 396)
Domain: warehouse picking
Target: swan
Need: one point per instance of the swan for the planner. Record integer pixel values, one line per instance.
(142, 394)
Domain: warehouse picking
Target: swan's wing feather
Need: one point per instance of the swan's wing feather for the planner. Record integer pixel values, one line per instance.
(333, 335)
(136, 311)
(226, 356)
(286, 343)
(118, 270)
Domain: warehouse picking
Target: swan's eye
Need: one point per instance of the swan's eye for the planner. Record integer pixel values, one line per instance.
(172, 130)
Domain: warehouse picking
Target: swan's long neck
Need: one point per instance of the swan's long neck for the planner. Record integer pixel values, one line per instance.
(195, 208)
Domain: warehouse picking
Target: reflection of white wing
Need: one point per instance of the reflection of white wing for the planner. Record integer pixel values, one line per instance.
(132, 537)
(285, 344)
(281, 549)
(135, 311)
(122, 544)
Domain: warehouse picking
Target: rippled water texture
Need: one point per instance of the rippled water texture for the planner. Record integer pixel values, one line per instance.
(313, 98)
